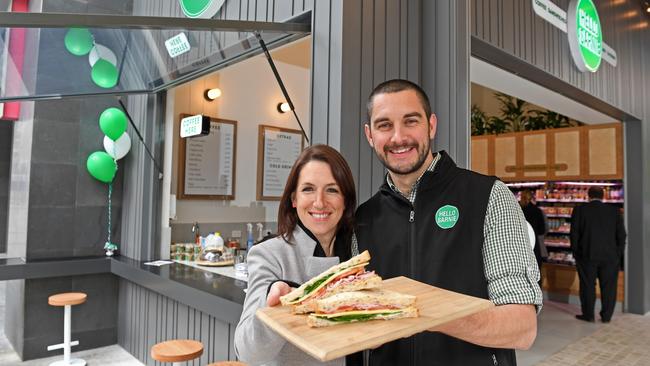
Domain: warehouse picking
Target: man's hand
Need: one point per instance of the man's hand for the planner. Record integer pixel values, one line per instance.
(277, 289)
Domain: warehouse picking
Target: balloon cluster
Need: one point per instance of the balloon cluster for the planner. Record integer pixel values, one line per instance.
(80, 42)
(102, 165)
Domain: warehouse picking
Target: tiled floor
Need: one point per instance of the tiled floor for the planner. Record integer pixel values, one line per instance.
(561, 340)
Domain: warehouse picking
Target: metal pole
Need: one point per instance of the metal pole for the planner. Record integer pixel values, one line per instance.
(66, 334)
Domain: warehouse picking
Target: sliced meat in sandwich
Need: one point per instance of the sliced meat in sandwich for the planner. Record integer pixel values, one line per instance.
(347, 276)
(356, 306)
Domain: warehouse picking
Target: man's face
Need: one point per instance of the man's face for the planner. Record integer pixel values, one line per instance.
(400, 132)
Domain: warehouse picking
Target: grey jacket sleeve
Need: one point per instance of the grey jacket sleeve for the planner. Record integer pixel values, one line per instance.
(254, 341)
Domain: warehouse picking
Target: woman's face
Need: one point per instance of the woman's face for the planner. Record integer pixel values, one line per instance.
(318, 200)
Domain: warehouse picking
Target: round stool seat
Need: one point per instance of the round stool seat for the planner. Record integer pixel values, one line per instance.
(67, 298)
(177, 350)
(227, 363)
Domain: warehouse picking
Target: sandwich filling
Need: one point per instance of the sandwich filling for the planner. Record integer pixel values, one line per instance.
(332, 280)
(357, 315)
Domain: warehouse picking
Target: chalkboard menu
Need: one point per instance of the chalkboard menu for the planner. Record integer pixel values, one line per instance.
(277, 150)
(206, 164)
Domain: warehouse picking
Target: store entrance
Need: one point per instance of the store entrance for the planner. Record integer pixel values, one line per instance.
(550, 151)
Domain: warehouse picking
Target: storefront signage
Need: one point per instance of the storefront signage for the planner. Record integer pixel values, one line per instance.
(177, 45)
(195, 126)
(205, 9)
(536, 168)
(583, 27)
(585, 35)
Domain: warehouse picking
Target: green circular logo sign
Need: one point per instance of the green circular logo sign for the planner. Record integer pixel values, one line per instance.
(200, 8)
(447, 216)
(585, 35)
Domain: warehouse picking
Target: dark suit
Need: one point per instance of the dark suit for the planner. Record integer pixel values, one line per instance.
(597, 240)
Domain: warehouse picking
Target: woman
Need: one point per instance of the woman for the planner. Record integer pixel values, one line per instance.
(315, 221)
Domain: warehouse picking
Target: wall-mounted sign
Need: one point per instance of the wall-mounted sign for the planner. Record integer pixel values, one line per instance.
(205, 9)
(177, 45)
(583, 27)
(585, 35)
(195, 126)
(277, 150)
(206, 164)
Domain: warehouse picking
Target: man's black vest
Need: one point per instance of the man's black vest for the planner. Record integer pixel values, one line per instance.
(439, 241)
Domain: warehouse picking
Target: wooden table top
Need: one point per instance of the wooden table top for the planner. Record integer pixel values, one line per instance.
(177, 350)
(67, 298)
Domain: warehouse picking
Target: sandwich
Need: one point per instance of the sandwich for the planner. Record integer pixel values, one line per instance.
(357, 306)
(347, 276)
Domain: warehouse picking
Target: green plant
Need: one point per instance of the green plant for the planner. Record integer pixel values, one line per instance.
(513, 112)
(479, 121)
(552, 119)
(497, 125)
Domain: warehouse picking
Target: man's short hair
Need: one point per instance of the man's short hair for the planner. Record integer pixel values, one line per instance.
(398, 85)
(595, 193)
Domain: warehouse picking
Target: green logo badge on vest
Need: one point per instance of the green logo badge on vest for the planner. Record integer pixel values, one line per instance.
(447, 216)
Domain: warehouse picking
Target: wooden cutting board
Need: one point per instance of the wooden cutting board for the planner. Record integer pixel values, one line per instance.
(436, 306)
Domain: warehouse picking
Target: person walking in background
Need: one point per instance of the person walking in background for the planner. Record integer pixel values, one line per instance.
(535, 218)
(598, 241)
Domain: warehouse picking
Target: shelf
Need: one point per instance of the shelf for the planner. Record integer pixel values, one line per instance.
(560, 263)
(556, 215)
(574, 200)
(559, 232)
(558, 246)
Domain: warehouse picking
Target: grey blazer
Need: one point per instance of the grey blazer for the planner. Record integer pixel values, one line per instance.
(275, 259)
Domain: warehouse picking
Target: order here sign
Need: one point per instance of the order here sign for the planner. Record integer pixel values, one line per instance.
(198, 125)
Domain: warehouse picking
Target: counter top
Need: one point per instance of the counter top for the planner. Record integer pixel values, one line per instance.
(206, 290)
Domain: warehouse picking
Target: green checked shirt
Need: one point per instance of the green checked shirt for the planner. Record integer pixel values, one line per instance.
(510, 266)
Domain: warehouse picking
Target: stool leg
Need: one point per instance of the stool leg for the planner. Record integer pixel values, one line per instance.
(66, 333)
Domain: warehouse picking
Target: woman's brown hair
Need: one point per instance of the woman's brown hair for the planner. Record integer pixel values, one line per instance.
(287, 215)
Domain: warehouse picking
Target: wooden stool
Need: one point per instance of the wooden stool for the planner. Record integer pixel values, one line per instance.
(177, 351)
(227, 363)
(66, 300)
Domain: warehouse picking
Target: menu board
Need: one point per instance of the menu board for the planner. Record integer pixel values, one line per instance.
(207, 163)
(278, 148)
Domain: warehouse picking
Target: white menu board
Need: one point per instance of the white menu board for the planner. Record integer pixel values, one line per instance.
(280, 148)
(209, 163)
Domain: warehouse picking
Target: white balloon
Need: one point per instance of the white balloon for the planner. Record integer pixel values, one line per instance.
(118, 148)
(101, 52)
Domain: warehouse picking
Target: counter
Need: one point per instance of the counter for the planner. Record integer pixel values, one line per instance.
(209, 291)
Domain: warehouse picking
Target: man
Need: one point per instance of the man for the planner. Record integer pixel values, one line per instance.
(448, 227)
(597, 240)
(535, 218)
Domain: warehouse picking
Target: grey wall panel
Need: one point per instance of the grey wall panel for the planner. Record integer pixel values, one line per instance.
(445, 73)
(6, 137)
(141, 203)
(146, 318)
(356, 45)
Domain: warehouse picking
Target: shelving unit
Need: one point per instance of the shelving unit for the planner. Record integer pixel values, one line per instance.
(557, 200)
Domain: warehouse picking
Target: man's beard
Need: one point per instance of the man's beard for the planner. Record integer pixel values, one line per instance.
(403, 170)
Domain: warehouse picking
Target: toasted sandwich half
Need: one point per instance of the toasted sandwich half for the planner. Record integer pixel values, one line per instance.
(347, 276)
(356, 306)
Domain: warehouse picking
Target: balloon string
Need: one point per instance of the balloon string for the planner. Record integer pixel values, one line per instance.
(110, 191)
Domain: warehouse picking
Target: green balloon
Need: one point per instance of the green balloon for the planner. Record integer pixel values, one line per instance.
(112, 122)
(78, 41)
(101, 166)
(104, 74)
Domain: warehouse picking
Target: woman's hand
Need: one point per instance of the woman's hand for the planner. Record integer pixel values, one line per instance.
(277, 289)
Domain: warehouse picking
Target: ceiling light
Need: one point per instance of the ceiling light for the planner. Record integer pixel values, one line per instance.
(283, 107)
(212, 94)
